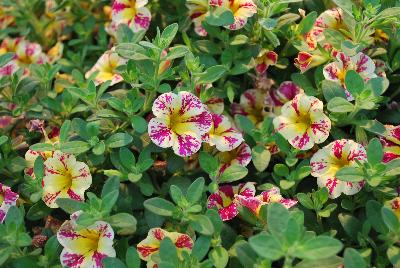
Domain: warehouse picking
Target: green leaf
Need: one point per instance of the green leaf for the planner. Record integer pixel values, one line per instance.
(202, 224)
(307, 23)
(201, 247)
(208, 163)
(305, 200)
(340, 105)
(176, 195)
(260, 157)
(38, 211)
(169, 34)
(176, 52)
(354, 82)
(110, 262)
(168, 251)
(350, 174)
(159, 206)
(64, 131)
(6, 58)
(268, 23)
(350, 224)
(219, 257)
(3, 139)
(220, 16)
(281, 170)
(390, 219)
(319, 247)
(42, 147)
(75, 147)
(118, 140)
(132, 259)
(38, 168)
(334, 37)
(52, 248)
(277, 219)
(233, 173)
(374, 216)
(139, 124)
(70, 205)
(353, 259)
(331, 90)
(374, 151)
(331, 262)
(123, 223)
(245, 123)
(267, 246)
(212, 74)
(195, 190)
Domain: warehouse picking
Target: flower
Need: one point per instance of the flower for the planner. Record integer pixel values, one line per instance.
(391, 143)
(306, 60)
(85, 247)
(252, 104)
(106, 67)
(286, 91)
(272, 195)
(132, 13)
(395, 206)
(240, 156)
(225, 199)
(328, 160)
(241, 9)
(222, 134)
(7, 199)
(151, 244)
(303, 122)
(361, 63)
(8, 69)
(214, 104)
(198, 11)
(27, 53)
(64, 177)
(180, 122)
(265, 59)
(55, 53)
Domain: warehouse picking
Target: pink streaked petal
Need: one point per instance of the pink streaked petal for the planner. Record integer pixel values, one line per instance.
(186, 144)
(229, 212)
(247, 189)
(288, 203)
(203, 122)
(160, 133)
(190, 105)
(142, 20)
(165, 104)
(243, 156)
(184, 241)
(252, 203)
(364, 64)
(214, 200)
(50, 199)
(71, 259)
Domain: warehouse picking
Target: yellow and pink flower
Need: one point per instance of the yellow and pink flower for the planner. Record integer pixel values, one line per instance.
(265, 59)
(151, 244)
(395, 206)
(239, 156)
(64, 178)
(8, 199)
(241, 9)
(272, 195)
(180, 122)
(286, 91)
(132, 13)
(214, 104)
(306, 60)
(222, 134)
(252, 104)
(302, 122)
(87, 247)
(106, 68)
(328, 160)
(9, 68)
(361, 63)
(391, 143)
(198, 11)
(225, 199)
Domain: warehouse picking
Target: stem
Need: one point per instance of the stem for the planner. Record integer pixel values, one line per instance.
(288, 262)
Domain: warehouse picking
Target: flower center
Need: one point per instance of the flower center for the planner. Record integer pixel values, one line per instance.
(174, 122)
(341, 76)
(92, 239)
(234, 6)
(67, 182)
(304, 119)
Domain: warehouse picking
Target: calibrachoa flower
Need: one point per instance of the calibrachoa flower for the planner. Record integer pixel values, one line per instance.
(252, 104)
(306, 60)
(214, 104)
(241, 9)
(27, 53)
(395, 206)
(272, 195)
(222, 134)
(9, 68)
(328, 160)
(132, 13)
(7, 199)
(241, 156)
(265, 59)
(391, 143)
(180, 122)
(225, 199)
(198, 10)
(64, 177)
(286, 91)
(151, 245)
(106, 67)
(87, 247)
(303, 122)
(361, 63)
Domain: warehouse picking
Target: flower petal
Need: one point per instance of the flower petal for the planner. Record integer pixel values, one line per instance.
(160, 133)
(186, 144)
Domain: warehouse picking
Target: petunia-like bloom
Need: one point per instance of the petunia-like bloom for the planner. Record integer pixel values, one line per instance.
(151, 244)
(87, 247)
(252, 104)
(303, 122)
(27, 53)
(214, 104)
(106, 67)
(328, 160)
(198, 11)
(222, 134)
(391, 143)
(272, 195)
(7, 199)
(286, 91)
(361, 63)
(180, 122)
(240, 156)
(241, 9)
(306, 60)
(8, 69)
(132, 13)
(64, 177)
(395, 206)
(225, 199)
(265, 59)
